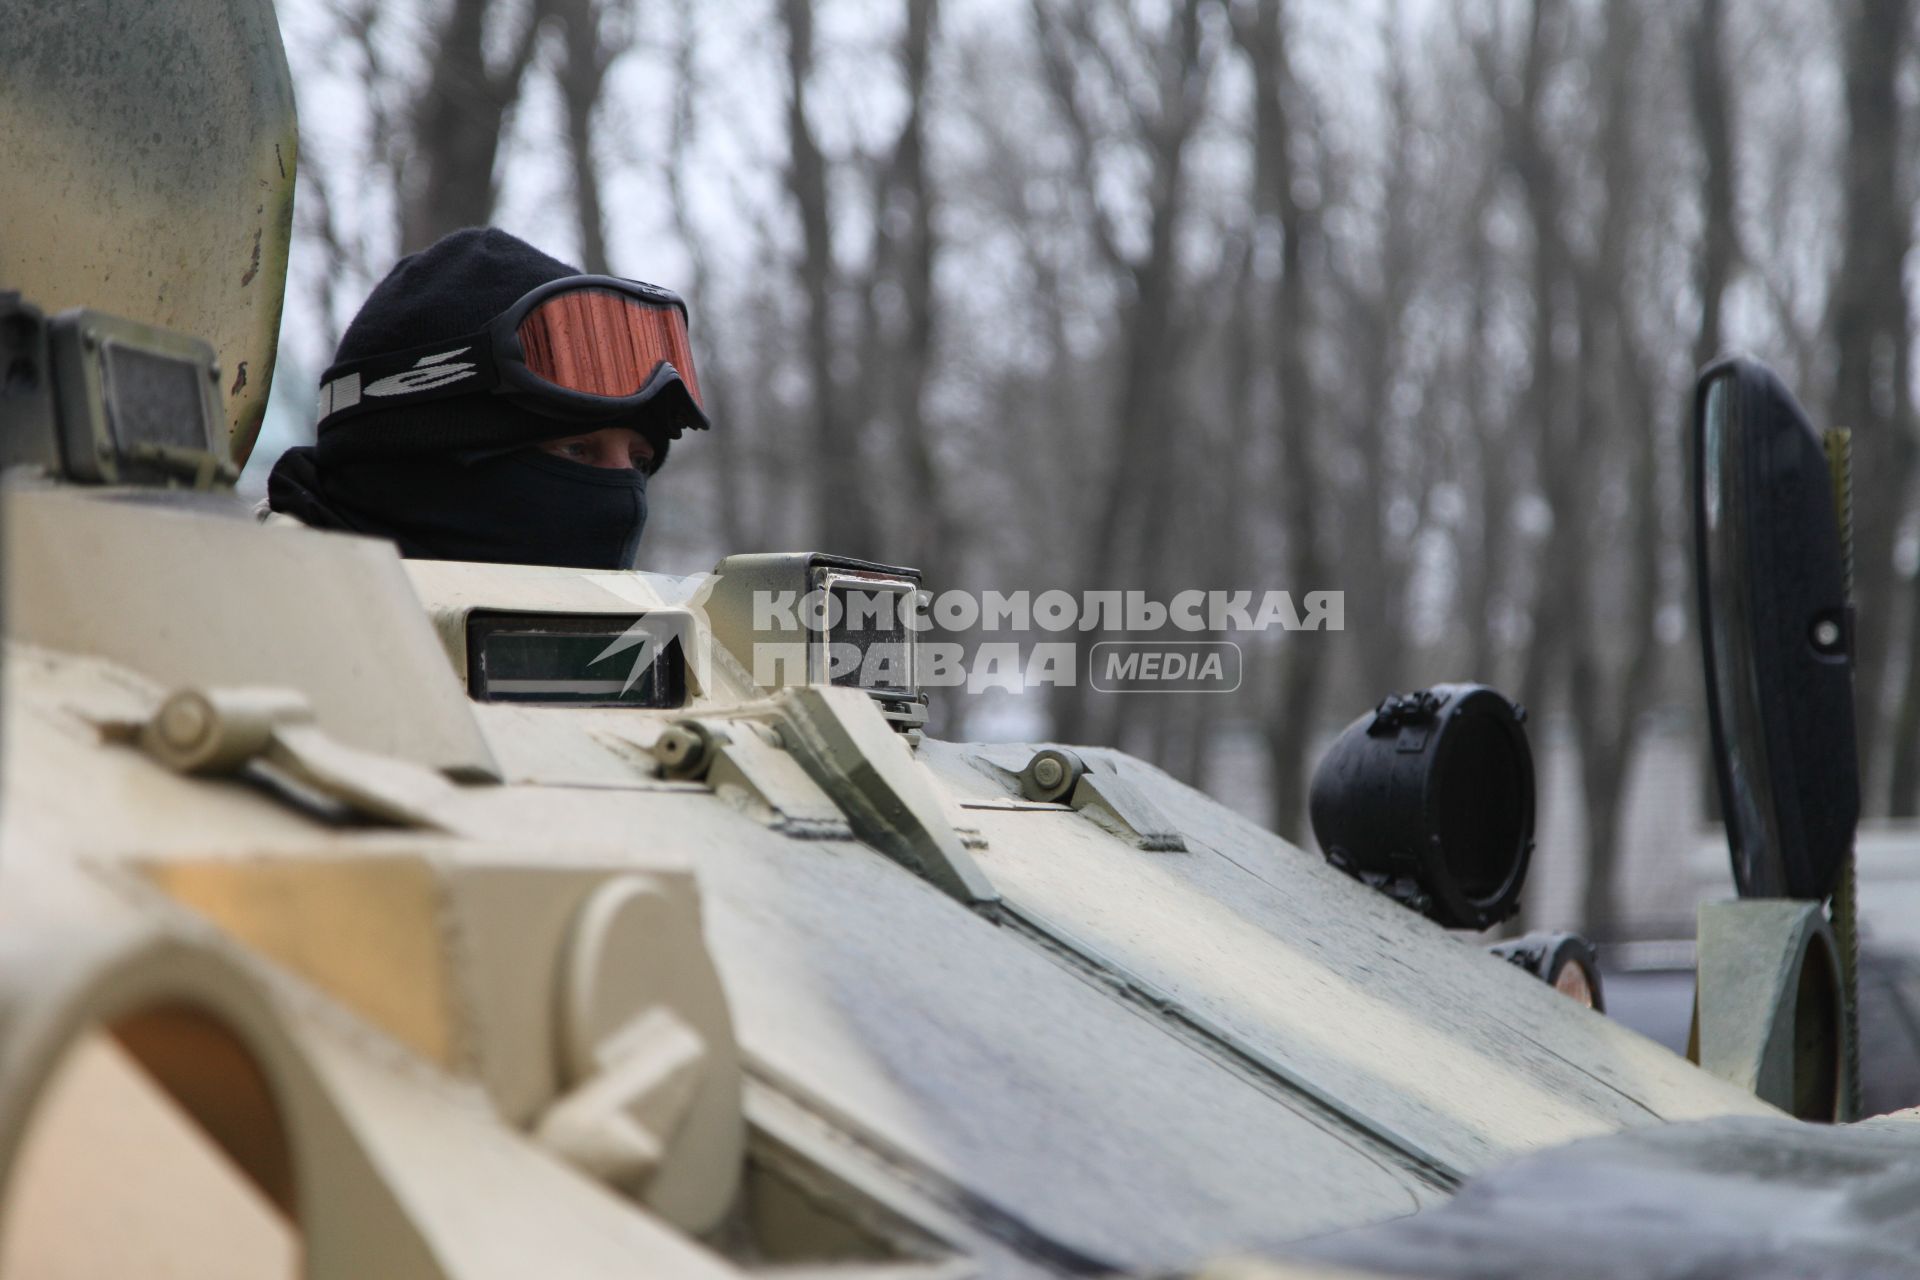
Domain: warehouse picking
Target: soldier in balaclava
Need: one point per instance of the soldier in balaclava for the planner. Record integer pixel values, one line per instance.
(491, 403)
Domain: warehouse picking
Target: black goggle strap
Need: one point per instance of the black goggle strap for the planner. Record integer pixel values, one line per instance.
(453, 367)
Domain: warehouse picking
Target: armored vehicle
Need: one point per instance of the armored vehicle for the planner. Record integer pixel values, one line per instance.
(365, 917)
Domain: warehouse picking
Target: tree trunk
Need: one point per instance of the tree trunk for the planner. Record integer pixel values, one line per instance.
(1150, 343)
(1711, 97)
(1531, 157)
(458, 121)
(842, 506)
(932, 542)
(587, 59)
(1870, 332)
(1493, 455)
(1609, 698)
(743, 522)
(1291, 716)
(1713, 121)
(1379, 555)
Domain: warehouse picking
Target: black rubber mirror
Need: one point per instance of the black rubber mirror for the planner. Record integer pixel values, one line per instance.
(1775, 632)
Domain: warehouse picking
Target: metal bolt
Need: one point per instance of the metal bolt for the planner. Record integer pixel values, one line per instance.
(1826, 634)
(681, 749)
(1050, 775)
(675, 745)
(89, 338)
(184, 721)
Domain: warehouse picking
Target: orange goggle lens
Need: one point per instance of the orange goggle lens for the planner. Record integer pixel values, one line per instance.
(605, 343)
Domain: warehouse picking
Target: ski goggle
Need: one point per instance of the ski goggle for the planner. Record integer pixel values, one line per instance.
(581, 349)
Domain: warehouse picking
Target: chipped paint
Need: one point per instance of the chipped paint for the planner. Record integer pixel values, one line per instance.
(253, 268)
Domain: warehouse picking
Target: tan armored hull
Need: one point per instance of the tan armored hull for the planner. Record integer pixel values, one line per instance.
(470, 956)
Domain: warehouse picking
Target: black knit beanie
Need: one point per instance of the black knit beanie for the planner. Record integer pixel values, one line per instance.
(449, 290)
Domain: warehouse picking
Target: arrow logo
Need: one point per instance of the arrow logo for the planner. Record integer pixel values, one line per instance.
(637, 638)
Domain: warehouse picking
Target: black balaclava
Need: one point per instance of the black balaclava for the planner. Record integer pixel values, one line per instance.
(518, 507)
(460, 478)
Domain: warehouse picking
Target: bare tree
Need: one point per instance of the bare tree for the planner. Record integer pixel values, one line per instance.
(743, 522)
(868, 371)
(457, 120)
(1279, 114)
(1377, 548)
(1164, 119)
(901, 354)
(1531, 156)
(597, 33)
(1712, 101)
(1593, 420)
(1711, 98)
(1085, 313)
(843, 511)
(1614, 648)
(1490, 445)
(1871, 334)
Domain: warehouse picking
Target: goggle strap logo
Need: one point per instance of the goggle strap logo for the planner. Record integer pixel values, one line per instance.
(428, 373)
(425, 377)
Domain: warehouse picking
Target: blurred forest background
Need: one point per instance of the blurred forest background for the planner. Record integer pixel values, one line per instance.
(1402, 299)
